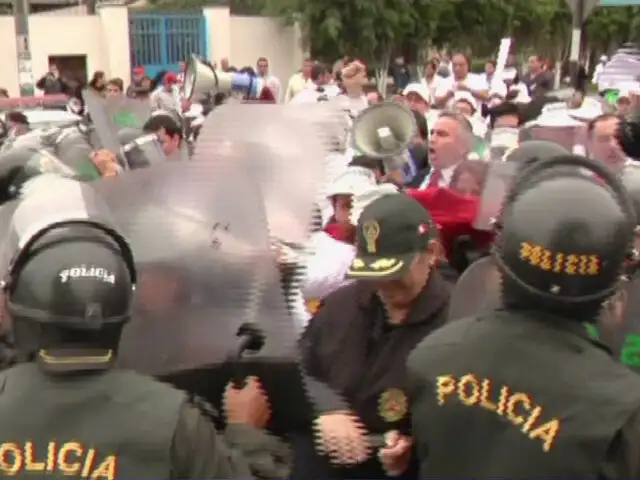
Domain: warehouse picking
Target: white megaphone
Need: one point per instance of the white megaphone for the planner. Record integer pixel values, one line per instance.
(201, 78)
(383, 130)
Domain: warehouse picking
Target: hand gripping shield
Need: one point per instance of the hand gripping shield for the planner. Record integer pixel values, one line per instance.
(269, 161)
(109, 116)
(17, 165)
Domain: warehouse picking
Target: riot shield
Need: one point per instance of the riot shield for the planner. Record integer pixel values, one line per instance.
(477, 290)
(45, 200)
(283, 148)
(199, 236)
(570, 136)
(496, 186)
(143, 152)
(501, 141)
(17, 165)
(106, 130)
(110, 115)
(74, 145)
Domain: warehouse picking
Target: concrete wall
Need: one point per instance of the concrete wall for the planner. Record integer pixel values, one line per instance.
(104, 39)
(244, 39)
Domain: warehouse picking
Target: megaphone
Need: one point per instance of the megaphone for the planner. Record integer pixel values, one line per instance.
(384, 130)
(201, 78)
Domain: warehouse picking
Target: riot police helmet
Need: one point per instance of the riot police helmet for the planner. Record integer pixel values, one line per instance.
(68, 294)
(556, 251)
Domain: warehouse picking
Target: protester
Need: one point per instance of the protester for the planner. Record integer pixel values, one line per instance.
(271, 81)
(449, 144)
(461, 80)
(299, 81)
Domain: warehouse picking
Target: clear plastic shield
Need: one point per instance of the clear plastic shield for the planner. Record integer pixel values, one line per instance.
(570, 137)
(624, 66)
(477, 290)
(44, 201)
(199, 237)
(143, 152)
(106, 130)
(283, 149)
(501, 141)
(496, 186)
(17, 165)
(74, 146)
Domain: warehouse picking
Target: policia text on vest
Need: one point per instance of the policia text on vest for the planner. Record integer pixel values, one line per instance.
(55, 458)
(516, 407)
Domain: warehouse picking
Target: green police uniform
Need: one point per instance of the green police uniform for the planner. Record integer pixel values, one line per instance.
(114, 425)
(517, 395)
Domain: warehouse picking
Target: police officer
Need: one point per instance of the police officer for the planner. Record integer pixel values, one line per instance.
(524, 392)
(65, 410)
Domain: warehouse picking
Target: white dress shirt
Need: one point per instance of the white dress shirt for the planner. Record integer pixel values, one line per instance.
(445, 177)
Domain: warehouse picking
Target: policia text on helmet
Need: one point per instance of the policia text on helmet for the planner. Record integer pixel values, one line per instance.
(68, 295)
(565, 238)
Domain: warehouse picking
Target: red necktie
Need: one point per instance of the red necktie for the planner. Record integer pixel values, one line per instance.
(434, 180)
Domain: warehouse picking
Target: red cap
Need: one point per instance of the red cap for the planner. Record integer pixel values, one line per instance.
(139, 71)
(170, 78)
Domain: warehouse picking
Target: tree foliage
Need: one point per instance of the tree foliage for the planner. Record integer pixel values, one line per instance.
(375, 29)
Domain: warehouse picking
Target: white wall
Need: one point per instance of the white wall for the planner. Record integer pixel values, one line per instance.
(104, 39)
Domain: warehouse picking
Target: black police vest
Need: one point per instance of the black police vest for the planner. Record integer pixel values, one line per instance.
(116, 425)
(513, 397)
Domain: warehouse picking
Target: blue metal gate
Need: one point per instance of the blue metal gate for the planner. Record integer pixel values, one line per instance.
(160, 41)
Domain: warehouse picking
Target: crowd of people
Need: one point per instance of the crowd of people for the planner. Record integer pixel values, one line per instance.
(398, 385)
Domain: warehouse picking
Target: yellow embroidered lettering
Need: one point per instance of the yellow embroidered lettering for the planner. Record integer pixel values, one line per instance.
(546, 432)
(517, 407)
(485, 400)
(563, 263)
(51, 457)
(107, 469)
(446, 385)
(68, 455)
(30, 463)
(67, 459)
(514, 400)
(11, 459)
(469, 390)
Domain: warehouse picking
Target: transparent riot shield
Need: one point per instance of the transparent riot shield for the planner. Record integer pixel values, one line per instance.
(283, 149)
(45, 200)
(74, 146)
(111, 115)
(17, 165)
(572, 137)
(501, 141)
(477, 290)
(143, 152)
(499, 179)
(106, 129)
